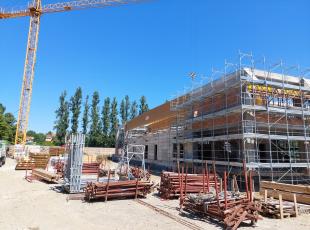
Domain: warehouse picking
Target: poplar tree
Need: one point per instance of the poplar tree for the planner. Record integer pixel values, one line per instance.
(113, 119)
(85, 120)
(7, 125)
(127, 107)
(122, 111)
(94, 131)
(143, 105)
(105, 117)
(75, 107)
(2, 109)
(133, 110)
(62, 119)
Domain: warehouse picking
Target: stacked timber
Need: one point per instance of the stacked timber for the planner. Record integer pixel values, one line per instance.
(25, 164)
(117, 189)
(40, 160)
(287, 191)
(90, 168)
(42, 174)
(56, 151)
(170, 184)
(232, 212)
(271, 208)
(35, 160)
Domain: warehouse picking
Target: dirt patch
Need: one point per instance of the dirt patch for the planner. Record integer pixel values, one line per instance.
(35, 206)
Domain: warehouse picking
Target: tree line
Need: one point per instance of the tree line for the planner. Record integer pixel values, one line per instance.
(99, 122)
(8, 129)
(7, 125)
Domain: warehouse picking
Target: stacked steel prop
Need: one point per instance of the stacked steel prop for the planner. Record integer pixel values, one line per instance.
(173, 185)
(170, 185)
(90, 168)
(117, 189)
(227, 207)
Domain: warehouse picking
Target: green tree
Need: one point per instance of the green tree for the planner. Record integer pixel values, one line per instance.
(39, 138)
(10, 119)
(114, 122)
(122, 111)
(31, 133)
(127, 107)
(7, 125)
(143, 105)
(49, 133)
(2, 109)
(105, 117)
(85, 120)
(133, 110)
(94, 132)
(75, 107)
(62, 119)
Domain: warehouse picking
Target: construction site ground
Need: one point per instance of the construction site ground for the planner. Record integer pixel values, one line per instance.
(35, 206)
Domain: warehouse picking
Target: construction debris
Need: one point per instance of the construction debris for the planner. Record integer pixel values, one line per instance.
(117, 189)
(170, 185)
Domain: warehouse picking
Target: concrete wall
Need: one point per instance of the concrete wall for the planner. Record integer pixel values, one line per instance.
(164, 147)
(99, 151)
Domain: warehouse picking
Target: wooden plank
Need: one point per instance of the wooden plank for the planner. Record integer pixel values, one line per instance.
(241, 218)
(153, 117)
(301, 198)
(295, 205)
(281, 206)
(286, 187)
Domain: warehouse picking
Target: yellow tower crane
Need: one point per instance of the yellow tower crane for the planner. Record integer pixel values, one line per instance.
(34, 11)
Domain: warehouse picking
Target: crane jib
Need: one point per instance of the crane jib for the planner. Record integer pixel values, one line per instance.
(35, 11)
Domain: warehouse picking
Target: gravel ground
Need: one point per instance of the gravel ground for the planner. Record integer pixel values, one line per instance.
(35, 206)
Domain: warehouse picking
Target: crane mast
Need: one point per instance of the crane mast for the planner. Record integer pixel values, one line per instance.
(30, 61)
(34, 11)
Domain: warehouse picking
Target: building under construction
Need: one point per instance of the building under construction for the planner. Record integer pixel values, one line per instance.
(245, 113)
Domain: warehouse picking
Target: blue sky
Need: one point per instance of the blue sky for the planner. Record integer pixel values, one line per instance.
(145, 49)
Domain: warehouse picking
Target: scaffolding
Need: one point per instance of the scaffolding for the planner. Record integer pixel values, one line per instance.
(247, 111)
(73, 166)
(130, 151)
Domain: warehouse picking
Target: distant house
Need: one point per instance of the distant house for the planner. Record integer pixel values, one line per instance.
(49, 137)
(29, 139)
